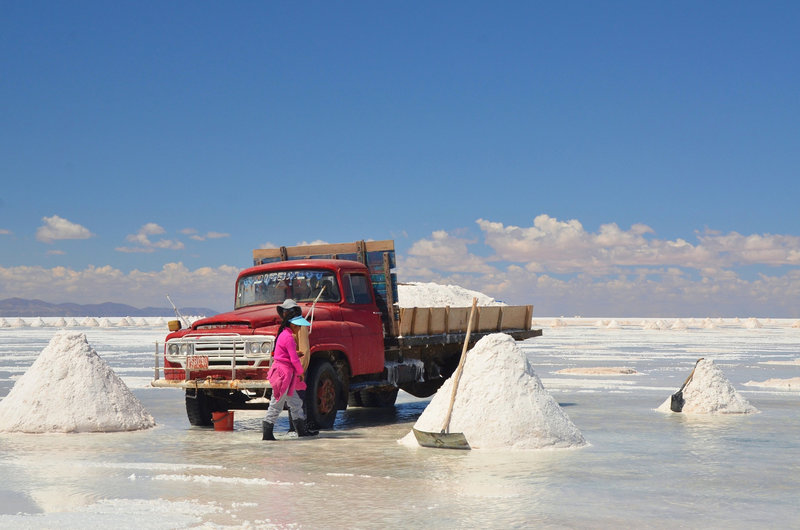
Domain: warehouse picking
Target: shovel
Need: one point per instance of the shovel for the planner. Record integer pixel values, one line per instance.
(676, 404)
(447, 439)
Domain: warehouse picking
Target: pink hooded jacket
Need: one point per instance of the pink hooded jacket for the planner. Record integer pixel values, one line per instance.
(285, 370)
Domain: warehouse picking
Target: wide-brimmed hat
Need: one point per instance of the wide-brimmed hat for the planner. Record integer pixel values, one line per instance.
(289, 308)
(299, 321)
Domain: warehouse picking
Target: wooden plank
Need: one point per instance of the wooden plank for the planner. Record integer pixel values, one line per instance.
(458, 319)
(420, 323)
(389, 294)
(447, 320)
(487, 318)
(515, 317)
(324, 249)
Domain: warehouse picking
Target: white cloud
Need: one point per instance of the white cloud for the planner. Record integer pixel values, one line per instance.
(209, 235)
(143, 243)
(57, 228)
(4, 232)
(565, 269)
(205, 286)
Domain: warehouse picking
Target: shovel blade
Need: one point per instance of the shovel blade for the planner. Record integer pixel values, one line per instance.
(441, 440)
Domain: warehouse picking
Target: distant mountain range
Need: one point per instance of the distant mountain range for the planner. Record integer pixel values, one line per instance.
(19, 307)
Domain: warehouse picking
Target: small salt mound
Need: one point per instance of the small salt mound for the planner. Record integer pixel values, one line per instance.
(105, 323)
(710, 392)
(3, 323)
(60, 323)
(90, 322)
(38, 322)
(500, 403)
(678, 325)
(70, 388)
(19, 323)
(708, 324)
(753, 323)
(796, 324)
(613, 325)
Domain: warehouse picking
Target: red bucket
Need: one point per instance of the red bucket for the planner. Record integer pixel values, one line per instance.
(223, 421)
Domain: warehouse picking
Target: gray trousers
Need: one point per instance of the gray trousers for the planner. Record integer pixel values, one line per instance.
(276, 406)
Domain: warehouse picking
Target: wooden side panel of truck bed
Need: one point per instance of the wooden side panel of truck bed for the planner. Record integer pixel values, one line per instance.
(447, 320)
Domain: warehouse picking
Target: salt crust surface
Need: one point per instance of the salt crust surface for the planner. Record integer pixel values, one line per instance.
(792, 383)
(710, 392)
(599, 370)
(500, 403)
(70, 388)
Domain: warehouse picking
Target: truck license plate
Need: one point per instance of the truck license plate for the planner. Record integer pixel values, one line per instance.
(197, 362)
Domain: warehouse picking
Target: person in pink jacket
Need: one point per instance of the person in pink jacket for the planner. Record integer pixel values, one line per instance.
(286, 378)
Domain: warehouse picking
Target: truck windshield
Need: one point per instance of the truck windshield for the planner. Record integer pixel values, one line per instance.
(275, 287)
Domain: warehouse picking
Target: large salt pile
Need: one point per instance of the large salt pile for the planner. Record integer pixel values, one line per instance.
(421, 294)
(710, 392)
(500, 403)
(70, 388)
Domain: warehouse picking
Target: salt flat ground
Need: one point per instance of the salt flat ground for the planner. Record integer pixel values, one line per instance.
(643, 469)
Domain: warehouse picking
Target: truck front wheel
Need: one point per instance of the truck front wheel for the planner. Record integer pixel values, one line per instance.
(200, 405)
(322, 393)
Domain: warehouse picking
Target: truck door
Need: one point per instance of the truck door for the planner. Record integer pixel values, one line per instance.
(364, 318)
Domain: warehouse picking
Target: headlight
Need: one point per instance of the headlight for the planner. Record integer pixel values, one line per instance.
(173, 349)
(186, 349)
(258, 348)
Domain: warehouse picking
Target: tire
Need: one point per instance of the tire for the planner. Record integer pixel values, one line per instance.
(200, 405)
(378, 398)
(322, 394)
(354, 399)
(197, 409)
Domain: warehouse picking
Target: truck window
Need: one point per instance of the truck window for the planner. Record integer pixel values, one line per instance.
(357, 289)
(275, 287)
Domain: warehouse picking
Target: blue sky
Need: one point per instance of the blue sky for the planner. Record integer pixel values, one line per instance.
(593, 158)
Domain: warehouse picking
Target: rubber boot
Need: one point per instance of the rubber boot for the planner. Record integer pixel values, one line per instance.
(310, 427)
(291, 422)
(302, 429)
(267, 431)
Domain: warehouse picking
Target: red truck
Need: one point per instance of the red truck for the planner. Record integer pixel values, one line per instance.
(359, 351)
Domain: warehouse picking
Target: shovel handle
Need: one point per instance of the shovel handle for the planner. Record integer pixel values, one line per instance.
(690, 375)
(460, 368)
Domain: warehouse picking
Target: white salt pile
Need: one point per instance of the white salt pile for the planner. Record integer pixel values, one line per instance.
(70, 388)
(710, 392)
(500, 403)
(421, 294)
(753, 323)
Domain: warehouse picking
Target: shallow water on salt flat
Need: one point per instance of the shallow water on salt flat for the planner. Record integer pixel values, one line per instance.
(642, 469)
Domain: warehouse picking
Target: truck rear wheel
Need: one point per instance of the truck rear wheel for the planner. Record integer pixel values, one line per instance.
(322, 394)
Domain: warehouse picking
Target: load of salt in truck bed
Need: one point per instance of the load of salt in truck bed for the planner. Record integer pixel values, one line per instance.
(361, 348)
